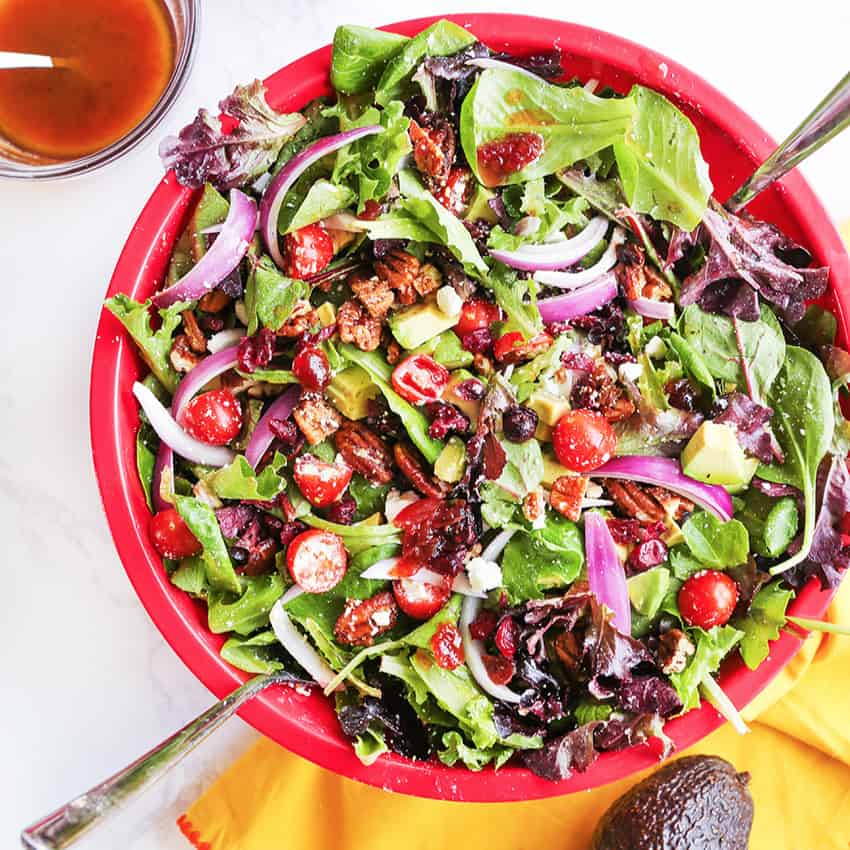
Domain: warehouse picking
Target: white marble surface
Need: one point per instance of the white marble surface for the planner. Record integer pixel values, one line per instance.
(88, 682)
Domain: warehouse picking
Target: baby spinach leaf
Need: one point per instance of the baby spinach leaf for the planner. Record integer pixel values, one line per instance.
(762, 623)
(200, 519)
(692, 362)
(817, 327)
(715, 543)
(359, 56)
(771, 523)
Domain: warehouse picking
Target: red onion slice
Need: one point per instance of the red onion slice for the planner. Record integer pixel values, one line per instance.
(664, 310)
(575, 280)
(474, 652)
(667, 472)
(605, 572)
(174, 436)
(527, 226)
(580, 303)
(555, 255)
(262, 436)
(163, 471)
(276, 191)
(498, 65)
(223, 257)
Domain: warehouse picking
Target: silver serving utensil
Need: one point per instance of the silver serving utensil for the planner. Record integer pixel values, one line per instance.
(68, 823)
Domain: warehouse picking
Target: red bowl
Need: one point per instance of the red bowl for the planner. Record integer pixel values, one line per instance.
(732, 144)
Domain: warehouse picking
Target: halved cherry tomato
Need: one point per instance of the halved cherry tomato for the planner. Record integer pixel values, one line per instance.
(171, 536)
(708, 599)
(311, 368)
(420, 378)
(307, 251)
(317, 560)
(447, 646)
(419, 599)
(415, 513)
(513, 347)
(583, 440)
(321, 483)
(214, 417)
(454, 195)
(499, 669)
(475, 315)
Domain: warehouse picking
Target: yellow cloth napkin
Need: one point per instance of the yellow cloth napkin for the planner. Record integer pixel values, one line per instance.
(798, 754)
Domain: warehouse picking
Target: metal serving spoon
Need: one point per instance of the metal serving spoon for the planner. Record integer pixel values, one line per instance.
(67, 824)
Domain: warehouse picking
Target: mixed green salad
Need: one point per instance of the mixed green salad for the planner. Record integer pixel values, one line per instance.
(469, 404)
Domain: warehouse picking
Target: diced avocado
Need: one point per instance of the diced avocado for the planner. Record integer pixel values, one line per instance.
(415, 325)
(469, 407)
(212, 208)
(751, 464)
(713, 455)
(372, 519)
(550, 408)
(350, 391)
(446, 349)
(543, 432)
(451, 463)
(326, 314)
(479, 206)
(552, 470)
(647, 590)
(673, 535)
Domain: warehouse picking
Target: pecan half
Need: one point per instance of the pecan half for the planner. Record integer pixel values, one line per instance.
(182, 358)
(365, 452)
(567, 494)
(413, 469)
(394, 352)
(301, 319)
(534, 506)
(634, 501)
(434, 147)
(623, 408)
(357, 327)
(675, 506)
(674, 649)
(362, 620)
(197, 340)
(598, 390)
(428, 280)
(214, 301)
(637, 278)
(316, 418)
(399, 271)
(373, 293)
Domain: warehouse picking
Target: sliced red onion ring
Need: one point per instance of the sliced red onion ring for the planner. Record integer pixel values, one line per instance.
(295, 643)
(174, 436)
(163, 471)
(345, 221)
(497, 544)
(667, 472)
(262, 436)
(574, 280)
(580, 303)
(497, 64)
(474, 652)
(223, 257)
(665, 310)
(605, 572)
(556, 255)
(224, 339)
(276, 191)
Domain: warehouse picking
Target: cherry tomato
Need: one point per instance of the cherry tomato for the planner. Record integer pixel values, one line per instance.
(583, 440)
(416, 513)
(214, 417)
(475, 315)
(171, 536)
(419, 599)
(447, 646)
(499, 669)
(708, 599)
(307, 251)
(321, 483)
(455, 194)
(420, 378)
(311, 368)
(317, 560)
(513, 347)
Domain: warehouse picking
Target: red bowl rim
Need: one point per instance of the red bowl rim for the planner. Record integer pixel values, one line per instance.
(299, 723)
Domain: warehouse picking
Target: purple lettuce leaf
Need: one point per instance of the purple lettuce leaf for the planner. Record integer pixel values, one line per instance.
(455, 66)
(203, 152)
(774, 490)
(543, 696)
(751, 422)
(547, 64)
(618, 734)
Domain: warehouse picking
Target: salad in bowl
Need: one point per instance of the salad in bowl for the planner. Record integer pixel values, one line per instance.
(469, 404)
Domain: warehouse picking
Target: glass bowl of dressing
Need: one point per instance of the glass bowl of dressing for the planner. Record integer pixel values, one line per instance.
(118, 66)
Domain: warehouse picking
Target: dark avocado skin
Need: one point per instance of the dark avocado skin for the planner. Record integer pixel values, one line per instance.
(693, 803)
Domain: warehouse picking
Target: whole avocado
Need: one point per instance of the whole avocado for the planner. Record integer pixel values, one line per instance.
(693, 803)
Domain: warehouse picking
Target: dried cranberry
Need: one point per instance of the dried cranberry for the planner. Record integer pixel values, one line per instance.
(445, 420)
(382, 420)
(442, 539)
(505, 156)
(617, 358)
(577, 360)
(290, 531)
(210, 324)
(290, 437)
(255, 352)
(500, 669)
(555, 329)
(484, 625)
(519, 423)
(479, 230)
(648, 554)
(315, 338)
(447, 646)
(470, 390)
(311, 368)
(681, 394)
(605, 327)
(342, 511)
(238, 556)
(478, 342)
(634, 531)
(507, 637)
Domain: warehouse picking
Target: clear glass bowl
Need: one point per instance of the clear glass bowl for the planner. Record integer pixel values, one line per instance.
(21, 164)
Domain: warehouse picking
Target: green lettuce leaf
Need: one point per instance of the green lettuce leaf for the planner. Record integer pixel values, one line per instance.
(762, 623)
(191, 576)
(368, 497)
(323, 199)
(200, 519)
(498, 508)
(256, 654)
(247, 612)
(516, 297)
(449, 613)
(238, 480)
(360, 55)
(523, 469)
(270, 296)
(455, 750)
(715, 543)
(711, 648)
(399, 224)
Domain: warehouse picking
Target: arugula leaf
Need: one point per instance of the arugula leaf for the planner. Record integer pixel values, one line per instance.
(200, 519)
(510, 292)
(247, 612)
(359, 56)
(256, 654)
(154, 346)
(270, 296)
(572, 123)
(712, 647)
(662, 169)
(762, 623)
(238, 480)
(717, 544)
(440, 39)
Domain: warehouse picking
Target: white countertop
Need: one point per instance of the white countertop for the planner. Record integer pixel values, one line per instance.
(89, 683)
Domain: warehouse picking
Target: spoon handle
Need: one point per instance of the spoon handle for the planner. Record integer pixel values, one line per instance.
(68, 823)
(827, 119)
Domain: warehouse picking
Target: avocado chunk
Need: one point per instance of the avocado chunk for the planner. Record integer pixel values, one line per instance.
(446, 349)
(415, 325)
(350, 390)
(469, 407)
(647, 590)
(550, 408)
(552, 470)
(713, 455)
(692, 803)
(479, 207)
(451, 463)
(326, 314)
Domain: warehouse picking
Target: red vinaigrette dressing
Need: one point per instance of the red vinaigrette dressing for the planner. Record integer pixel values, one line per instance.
(115, 59)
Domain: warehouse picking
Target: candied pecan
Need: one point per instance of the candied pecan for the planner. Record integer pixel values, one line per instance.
(568, 650)
(623, 408)
(261, 557)
(567, 494)
(629, 269)
(656, 287)
(674, 649)
(675, 506)
(399, 271)
(197, 340)
(482, 364)
(433, 147)
(214, 301)
(393, 352)
(413, 469)
(316, 417)
(428, 279)
(182, 358)
(534, 506)
(596, 390)
(235, 382)
(301, 319)
(365, 452)
(356, 326)
(373, 293)
(633, 500)
(362, 620)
